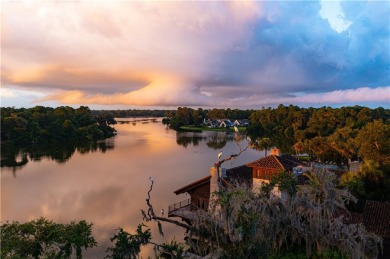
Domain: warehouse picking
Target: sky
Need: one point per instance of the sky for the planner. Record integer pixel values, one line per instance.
(165, 54)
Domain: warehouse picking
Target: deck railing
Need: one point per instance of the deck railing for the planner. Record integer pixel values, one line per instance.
(179, 205)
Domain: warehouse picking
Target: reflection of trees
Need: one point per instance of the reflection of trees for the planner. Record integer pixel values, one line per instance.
(101, 146)
(16, 158)
(58, 153)
(186, 138)
(215, 140)
(13, 158)
(135, 120)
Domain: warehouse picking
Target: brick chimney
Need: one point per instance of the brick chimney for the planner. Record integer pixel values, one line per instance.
(275, 151)
(214, 185)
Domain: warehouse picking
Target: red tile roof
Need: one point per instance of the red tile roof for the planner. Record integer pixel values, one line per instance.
(274, 162)
(376, 218)
(354, 218)
(293, 159)
(239, 173)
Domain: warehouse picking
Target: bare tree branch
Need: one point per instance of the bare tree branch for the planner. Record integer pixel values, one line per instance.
(220, 162)
(152, 216)
(238, 138)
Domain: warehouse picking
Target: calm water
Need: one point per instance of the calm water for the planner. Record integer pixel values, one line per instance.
(107, 183)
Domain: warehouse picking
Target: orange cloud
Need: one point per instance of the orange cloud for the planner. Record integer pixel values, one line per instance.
(71, 78)
(162, 90)
(89, 55)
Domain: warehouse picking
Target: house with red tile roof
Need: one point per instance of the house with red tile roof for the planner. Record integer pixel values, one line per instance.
(253, 173)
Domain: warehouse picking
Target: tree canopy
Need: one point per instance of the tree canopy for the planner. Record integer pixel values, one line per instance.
(44, 238)
(44, 125)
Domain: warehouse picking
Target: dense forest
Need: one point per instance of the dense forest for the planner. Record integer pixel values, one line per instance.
(44, 125)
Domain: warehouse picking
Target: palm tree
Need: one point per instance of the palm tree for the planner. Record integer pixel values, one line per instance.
(262, 144)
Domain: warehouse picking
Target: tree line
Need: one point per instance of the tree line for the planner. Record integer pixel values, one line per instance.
(45, 125)
(329, 134)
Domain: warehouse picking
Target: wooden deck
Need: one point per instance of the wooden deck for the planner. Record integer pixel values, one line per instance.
(183, 212)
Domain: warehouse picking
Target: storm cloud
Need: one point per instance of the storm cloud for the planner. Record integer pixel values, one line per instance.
(217, 54)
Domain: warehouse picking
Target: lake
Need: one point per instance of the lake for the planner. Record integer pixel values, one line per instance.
(107, 183)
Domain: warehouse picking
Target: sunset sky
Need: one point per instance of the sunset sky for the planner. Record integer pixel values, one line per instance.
(164, 54)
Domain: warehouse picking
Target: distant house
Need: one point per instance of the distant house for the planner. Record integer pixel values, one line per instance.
(226, 124)
(212, 123)
(242, 123)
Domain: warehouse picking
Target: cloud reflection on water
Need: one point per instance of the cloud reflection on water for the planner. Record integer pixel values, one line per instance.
(109, 189)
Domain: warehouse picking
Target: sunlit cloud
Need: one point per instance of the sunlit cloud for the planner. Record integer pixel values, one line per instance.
(6, 93)
(205, 53)
(332, 11)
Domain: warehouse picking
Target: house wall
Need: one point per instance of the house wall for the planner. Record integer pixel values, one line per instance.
(214, 187)
(200, 197)
(257, 183)
(264, 173)
(282, 195)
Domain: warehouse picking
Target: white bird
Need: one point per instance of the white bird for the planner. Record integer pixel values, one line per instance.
(162, 212)
(219, 155)
(236, 129)
(151, 179)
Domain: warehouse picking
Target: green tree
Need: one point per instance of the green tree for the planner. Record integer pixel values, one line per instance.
(42, 126)
(299, 147)
(374, 142)
(262, 144)
(128, 245)
(44, 238)
(342, 142)
(216, 114)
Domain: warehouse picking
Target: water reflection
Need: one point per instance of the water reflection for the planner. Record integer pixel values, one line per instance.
(135, 120)
(16, 158)
(213, 139)
(109, 188)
